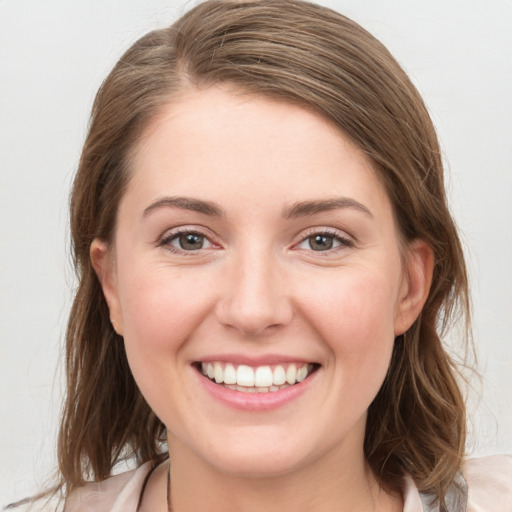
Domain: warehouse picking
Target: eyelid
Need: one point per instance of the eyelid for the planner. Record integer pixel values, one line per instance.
(346, 241)
(171, 234)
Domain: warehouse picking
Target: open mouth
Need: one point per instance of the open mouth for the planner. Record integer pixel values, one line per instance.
(258, 379)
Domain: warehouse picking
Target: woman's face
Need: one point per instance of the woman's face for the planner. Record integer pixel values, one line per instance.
(255, 243)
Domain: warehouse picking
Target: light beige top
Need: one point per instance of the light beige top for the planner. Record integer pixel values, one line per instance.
(486, 486)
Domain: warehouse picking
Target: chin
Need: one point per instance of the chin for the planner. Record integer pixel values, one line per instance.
(250, 456)
(258, 467)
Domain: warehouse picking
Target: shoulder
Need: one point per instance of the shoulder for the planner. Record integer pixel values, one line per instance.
(118, 493)
(489, 483)
(484, 485)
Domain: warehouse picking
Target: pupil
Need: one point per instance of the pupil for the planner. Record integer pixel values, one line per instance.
(321, 243)
(191, 241)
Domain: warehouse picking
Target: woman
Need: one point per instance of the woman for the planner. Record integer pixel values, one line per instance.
(266, 264)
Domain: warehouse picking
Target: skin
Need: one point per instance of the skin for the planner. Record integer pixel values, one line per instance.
(257, 288)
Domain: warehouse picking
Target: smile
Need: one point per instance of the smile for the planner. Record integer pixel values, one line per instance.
(259, 379)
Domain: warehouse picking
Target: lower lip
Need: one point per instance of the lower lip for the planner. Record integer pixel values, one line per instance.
(256, 401)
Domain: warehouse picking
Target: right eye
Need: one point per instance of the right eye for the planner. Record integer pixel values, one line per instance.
(186, 241)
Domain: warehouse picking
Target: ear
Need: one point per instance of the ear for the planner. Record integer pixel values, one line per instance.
(419, 266)
(103, 264)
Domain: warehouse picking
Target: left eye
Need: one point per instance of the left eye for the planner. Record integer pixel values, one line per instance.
(188, 241)
(323, 242)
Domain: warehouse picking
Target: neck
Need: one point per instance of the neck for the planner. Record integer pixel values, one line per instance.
(334, 482)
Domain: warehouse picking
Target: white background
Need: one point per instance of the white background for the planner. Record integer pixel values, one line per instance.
(53, 56)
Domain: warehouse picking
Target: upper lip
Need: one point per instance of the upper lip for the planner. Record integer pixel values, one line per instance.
(260, 360)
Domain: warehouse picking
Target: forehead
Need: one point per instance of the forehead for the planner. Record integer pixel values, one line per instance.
(222, 141)
(226, 110)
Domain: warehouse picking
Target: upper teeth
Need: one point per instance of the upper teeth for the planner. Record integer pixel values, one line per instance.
(260, 376)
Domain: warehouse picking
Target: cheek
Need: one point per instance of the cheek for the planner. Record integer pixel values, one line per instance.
(355, 314)
(160, 311)
(160, 308)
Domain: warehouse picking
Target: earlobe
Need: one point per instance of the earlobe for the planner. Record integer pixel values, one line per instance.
(101, 260)
(419, 268)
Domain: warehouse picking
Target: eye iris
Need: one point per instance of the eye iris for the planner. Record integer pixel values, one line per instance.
(321, 242)
(191, 241)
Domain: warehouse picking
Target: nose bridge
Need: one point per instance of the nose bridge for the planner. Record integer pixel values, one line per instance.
(254, 297)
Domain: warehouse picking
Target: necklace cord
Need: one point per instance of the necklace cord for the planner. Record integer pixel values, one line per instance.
(169, 506)
(141, 495)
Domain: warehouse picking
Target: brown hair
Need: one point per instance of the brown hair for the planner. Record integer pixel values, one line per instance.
(318, 59)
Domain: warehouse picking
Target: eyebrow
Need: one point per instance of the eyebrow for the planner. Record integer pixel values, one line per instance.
(296, 210)
(185, 203)
(306, 208)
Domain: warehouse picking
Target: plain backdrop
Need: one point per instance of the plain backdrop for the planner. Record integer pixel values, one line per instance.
(54, 55)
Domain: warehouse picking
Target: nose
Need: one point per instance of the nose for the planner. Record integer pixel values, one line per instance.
(255, 299)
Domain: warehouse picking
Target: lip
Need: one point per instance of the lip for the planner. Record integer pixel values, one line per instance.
(264, 360)
(255, 402)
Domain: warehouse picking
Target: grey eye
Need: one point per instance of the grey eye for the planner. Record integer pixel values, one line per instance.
(324, 242)
(190, 241)
(320, 242)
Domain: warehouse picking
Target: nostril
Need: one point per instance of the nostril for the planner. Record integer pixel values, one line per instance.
(253, 299)
(251, 318)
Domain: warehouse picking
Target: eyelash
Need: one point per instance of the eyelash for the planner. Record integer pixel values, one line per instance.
(167, 240)
(175, 235)
(343, 241)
